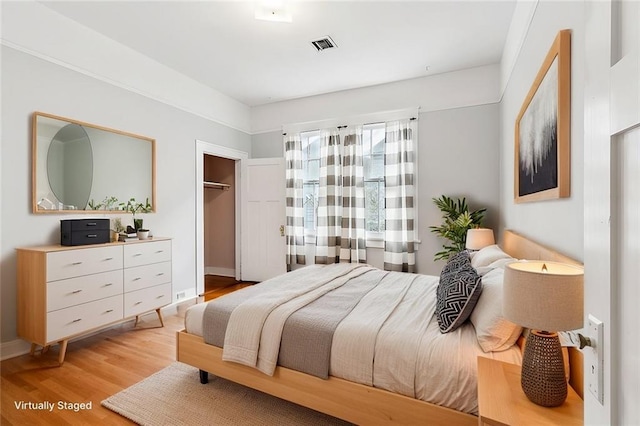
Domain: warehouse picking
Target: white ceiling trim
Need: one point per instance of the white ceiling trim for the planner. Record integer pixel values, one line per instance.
(353, 120)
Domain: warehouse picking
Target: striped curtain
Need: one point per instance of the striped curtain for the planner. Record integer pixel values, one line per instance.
(353, 245)
(294, 208)
(328, 230)
(399, 251)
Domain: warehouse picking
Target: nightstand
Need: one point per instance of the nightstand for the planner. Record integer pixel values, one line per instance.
(502, 402)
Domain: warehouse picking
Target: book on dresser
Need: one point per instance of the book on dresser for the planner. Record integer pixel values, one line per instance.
(68, 291)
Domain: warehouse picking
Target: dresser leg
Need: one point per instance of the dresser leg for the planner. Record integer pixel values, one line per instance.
(63, 351)
(160, 317)
(135, 324)
(45, 349)
(33, 349)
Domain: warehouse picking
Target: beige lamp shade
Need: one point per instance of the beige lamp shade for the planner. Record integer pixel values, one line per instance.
(478, 238)
(544, 295)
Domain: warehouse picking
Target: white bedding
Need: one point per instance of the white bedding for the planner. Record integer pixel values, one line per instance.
(391, 340)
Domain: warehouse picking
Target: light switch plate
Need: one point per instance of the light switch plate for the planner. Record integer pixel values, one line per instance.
(594, 375)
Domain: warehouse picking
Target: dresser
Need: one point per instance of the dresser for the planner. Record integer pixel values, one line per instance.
(68, 291)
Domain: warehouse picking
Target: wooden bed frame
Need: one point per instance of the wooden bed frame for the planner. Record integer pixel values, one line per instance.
(350, 401)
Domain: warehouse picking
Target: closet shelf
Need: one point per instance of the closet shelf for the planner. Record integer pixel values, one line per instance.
(217, 185)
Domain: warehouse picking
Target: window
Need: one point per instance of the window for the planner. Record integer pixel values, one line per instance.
(373, 139)
(311, 181)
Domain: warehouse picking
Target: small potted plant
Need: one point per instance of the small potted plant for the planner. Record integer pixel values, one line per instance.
(133, 207)
(116, 229)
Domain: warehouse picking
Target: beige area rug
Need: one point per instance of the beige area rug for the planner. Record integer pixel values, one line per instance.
(174, 396)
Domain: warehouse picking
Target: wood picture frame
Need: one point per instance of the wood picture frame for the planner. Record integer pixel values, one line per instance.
(542, 165)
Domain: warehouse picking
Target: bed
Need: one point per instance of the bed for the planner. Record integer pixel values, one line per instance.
(441, 388)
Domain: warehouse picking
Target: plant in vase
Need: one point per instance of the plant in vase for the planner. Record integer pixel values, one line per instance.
(133, 207)
(117, 228)
(457, 220)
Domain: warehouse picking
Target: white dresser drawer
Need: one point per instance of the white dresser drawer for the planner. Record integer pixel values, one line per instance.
(74, 263)
(80, 318)
(140, 277)
(74, 291)
(147, 299)
(137, 254)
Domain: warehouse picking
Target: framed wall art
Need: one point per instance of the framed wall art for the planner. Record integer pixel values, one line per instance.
(543, 129)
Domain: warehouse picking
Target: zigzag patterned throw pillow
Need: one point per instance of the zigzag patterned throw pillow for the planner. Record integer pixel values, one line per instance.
(458, 292)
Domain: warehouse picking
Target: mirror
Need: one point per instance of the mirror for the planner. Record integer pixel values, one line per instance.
(80, 167)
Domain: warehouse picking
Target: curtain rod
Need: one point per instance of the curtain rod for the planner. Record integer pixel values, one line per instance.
(345, 126)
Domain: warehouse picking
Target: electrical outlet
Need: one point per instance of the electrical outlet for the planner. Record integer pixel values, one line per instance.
(595, 373)
(181, 295)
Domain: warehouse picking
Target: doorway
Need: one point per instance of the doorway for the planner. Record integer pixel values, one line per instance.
(213, 187)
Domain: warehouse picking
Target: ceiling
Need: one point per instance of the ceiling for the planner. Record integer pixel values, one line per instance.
(222, 45)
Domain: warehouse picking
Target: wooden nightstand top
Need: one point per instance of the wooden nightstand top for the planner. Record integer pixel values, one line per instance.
(503, 403)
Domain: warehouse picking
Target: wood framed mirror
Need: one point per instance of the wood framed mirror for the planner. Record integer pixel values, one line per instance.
(79, 167)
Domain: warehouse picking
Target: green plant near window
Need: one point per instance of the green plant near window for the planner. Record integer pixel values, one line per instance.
(457, 219)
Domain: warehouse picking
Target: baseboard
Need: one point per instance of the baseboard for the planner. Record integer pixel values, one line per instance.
(14, 348)
(223, 272)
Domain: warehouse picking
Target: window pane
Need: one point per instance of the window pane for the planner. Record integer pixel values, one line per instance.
(312, 170)
(366, 141)
(377, 167)
(377, 140)
(371, 204)
(366, 160)
(314, 146)
(309, 202)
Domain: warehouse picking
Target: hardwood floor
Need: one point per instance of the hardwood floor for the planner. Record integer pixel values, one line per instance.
(216, 286)
(95, 368)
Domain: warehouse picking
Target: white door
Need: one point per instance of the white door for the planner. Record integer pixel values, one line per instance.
(263, 215)
(611, 67)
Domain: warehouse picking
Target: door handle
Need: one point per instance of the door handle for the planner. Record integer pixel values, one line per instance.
(282, 230)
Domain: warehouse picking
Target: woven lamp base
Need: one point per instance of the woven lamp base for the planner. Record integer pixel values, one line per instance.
(543, 379)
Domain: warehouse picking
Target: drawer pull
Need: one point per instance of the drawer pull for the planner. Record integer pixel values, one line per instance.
(109, 311)
(76, 291)
(160, 297)
(92, 235)
(76, 263)
(160, 251)
(107, 285)
(136, 279)
(108, 259)
(91, 224)
(77, 320)
(137, 303)
(137, 254)
(159, 274)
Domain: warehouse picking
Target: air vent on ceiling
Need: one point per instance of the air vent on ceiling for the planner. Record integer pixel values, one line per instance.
(324, 43)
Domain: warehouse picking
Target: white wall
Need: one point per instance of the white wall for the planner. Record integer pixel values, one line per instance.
(458, 138)
(33, 28)
(556, 223)
(475, 86)
(32, 84)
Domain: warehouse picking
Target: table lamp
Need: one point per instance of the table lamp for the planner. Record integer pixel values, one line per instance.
(478, 238)
(545, 297)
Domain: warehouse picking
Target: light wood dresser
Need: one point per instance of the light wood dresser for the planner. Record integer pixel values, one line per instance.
(67, 291)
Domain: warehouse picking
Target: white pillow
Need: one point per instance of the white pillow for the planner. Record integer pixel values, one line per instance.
(488, 255)
(494, 332)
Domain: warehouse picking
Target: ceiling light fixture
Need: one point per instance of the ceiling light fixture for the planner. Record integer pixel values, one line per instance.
(273, 10)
